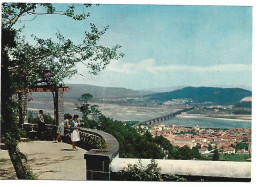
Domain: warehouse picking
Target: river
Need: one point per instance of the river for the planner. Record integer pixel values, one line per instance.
(207, 122)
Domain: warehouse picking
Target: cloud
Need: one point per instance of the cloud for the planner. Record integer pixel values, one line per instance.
(150, 66)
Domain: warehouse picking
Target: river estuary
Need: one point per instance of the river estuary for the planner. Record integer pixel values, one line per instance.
(207, 122)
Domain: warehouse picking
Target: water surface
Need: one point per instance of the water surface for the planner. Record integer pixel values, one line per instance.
(207, 122)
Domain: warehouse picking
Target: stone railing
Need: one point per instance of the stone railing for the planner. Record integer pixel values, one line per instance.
(101, 148)
(98, 160)
(194, 170)
(32, 131)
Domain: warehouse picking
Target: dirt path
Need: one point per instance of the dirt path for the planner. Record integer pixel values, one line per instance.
(48, 161)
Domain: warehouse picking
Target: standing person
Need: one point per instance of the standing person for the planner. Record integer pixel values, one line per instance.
(74, 126)
(61, 126)
(41, 124)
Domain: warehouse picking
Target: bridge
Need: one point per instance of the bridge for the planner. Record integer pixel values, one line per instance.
(165, 117)
(57, 161)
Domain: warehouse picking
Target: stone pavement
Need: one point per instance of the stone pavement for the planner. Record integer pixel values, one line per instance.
(48, 161)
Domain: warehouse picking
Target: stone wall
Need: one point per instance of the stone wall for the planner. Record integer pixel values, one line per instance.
(197, 169)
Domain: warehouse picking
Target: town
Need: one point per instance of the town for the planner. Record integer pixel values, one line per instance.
(207, 139)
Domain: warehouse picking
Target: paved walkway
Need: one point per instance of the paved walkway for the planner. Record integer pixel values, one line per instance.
(47, 160)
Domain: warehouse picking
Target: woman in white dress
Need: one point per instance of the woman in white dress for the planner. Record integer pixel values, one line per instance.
(60, 129)
(74, 126)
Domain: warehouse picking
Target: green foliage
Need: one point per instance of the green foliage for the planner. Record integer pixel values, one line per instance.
(229, 157)
(246, 104)
(89, 124)
(32, 118)
(234, 157)
(84, 107)
(30, 174)
(101, 144)
(240, 146)
(32, 62)
(131, 143)
(163, 142)
(85, 97)
(151, 172)
(22, 63)
(131, 123)
(48, 119)
(138, 172)
(66, 115)
(210, 147)
(185, 153)
(87, 109)
(215, 155)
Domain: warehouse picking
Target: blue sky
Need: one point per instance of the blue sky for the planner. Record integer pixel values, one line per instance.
(164, 45)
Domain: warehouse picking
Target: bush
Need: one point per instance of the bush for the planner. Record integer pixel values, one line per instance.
(32, 118)
(151, 172)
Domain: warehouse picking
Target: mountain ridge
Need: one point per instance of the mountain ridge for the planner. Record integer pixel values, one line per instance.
(216, 95)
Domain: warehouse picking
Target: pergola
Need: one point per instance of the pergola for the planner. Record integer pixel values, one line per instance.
(43, 86)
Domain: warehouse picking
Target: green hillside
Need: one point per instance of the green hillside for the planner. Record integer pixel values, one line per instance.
(221, 96)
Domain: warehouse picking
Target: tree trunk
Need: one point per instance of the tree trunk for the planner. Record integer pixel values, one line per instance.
(20, 169)
(9, 126)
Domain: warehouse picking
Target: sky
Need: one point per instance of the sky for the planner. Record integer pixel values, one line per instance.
(164, 45)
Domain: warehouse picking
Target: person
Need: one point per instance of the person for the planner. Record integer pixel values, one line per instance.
(61, 126)
(74, 126)
(41, 124)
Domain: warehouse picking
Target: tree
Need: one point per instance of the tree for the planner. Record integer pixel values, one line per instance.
(84, 107)
(210, 147)
(23, 63)
(95, 112)
(215, 155)
(241, 145)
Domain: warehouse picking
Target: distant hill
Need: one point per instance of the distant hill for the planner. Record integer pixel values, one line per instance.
(163, 89)
(98, 92)
(221, 96)
(76, 90)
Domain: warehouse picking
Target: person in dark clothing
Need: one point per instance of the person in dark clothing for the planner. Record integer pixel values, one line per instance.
(41, 124)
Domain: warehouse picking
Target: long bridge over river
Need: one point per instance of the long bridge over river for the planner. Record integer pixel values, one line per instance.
(165, 117)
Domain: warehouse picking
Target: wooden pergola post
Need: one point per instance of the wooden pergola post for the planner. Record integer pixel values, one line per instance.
(58, 106)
